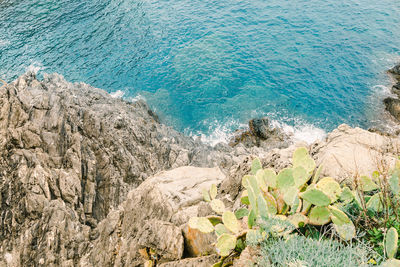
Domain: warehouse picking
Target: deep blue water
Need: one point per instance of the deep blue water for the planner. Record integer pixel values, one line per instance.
(209, 65)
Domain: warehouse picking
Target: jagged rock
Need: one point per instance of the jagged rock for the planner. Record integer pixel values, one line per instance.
(170, 197)
(248, 257)
(75, 145)
(153, 235)
(260, 134)
(396, 89)
(393, 106)
(348, 152)
(395, 70)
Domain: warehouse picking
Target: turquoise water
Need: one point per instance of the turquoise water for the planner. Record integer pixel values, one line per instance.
(207, 66)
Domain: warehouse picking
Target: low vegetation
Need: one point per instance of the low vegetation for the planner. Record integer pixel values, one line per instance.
(297, 218)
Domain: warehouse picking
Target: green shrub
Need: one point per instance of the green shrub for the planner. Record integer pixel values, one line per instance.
(302, 251)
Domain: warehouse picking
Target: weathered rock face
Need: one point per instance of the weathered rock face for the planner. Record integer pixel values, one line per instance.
(348, 152)
(69, 153)
(153, 216)
(392, 104)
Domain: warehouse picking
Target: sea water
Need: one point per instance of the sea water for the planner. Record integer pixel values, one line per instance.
(208, 66)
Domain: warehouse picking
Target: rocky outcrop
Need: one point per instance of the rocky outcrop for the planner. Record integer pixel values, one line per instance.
(69, 154)
(154, 216)
(90, 180)
(392, 104)
(349, 152)
(260, 134)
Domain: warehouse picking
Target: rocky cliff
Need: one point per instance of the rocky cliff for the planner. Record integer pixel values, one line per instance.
(91, 180)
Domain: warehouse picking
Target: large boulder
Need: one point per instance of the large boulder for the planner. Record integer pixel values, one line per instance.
(153, 216)
(348, 152)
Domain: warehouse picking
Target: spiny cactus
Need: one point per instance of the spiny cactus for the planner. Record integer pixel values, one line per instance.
(294, 195)
(391, 242)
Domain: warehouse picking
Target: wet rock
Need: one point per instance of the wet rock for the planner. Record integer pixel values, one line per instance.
(395, 70)
(393, 106)
(260, 134)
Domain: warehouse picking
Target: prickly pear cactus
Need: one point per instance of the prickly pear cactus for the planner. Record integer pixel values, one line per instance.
(391, 242)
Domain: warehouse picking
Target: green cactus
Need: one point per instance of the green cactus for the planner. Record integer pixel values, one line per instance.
(230, 222)
(303, 159)
(213, 191)
(394, 182)
(347, 195)
(298, 219)
(316, 197)
(270, 178)
(244, 198)
(285, 179)
(290, 194)
(202, 224)
(319, 216)
(251, 219)
(262, 206)
(225, 244)
(271, 203)
(221, 229)
(255, 166)
(375, 202)
(391, 242)
(342, 223)
(240, 213)
(217, 206)
(260, 177)
(206, 195)
(300, 176)
(330, 187)
(367, 184)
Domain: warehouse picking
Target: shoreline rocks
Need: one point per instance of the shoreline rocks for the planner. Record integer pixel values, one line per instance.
(392, 104)
(260, 134)
(90, 180)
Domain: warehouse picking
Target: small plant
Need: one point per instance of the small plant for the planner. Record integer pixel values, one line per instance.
(309, 252)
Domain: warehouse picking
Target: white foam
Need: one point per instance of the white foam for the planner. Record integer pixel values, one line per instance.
(4, 42)
(117, 94)
(302, 132)
(218, 132)
(137, 98)
(222, 133)
(35, 67)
